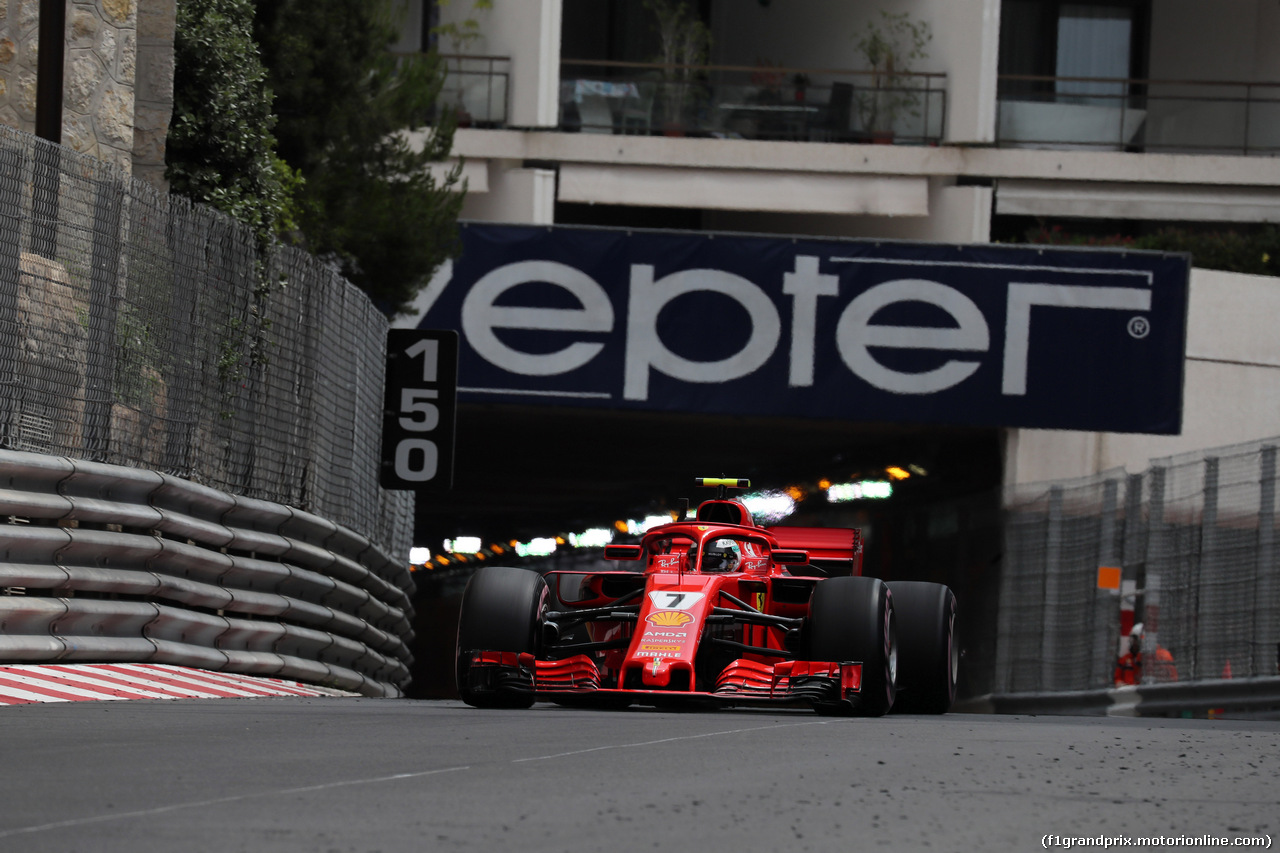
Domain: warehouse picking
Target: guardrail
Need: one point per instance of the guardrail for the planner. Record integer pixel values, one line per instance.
(103, 563)
(1208, 698)
(1121, 113)
(753, 102)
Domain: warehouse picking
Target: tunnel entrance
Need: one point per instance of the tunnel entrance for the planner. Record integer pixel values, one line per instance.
(524, 472)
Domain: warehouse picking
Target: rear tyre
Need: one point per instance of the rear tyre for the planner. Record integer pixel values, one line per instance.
(928, 656)
(852, 619)
(501, 612)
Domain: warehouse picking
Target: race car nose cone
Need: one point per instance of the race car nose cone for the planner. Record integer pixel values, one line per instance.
(657, 673)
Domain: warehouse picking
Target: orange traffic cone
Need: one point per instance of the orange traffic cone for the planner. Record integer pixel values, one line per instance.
(1226, 670)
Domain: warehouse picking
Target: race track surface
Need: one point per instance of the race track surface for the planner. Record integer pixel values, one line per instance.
(392, 775)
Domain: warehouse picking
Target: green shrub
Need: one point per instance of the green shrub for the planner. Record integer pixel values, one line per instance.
(1247, 250)
(220, 149)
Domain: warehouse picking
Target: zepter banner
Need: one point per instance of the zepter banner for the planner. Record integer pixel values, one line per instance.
(981, 335)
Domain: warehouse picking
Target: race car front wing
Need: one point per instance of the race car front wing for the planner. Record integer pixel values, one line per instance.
(743, 681)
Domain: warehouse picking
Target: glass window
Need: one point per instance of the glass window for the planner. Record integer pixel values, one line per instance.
(1093, 41)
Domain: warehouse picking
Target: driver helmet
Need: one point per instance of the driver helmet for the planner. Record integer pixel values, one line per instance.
(720, 555)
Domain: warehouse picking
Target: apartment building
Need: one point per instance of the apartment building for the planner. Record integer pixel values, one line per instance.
(990, 117)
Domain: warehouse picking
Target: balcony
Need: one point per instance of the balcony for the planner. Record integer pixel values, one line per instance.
(751, 102)
(841, 105)
(1119, 114)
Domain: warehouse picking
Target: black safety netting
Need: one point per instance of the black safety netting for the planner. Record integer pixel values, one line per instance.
(142, 329)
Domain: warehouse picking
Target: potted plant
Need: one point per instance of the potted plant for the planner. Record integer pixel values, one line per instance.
(890, 45)
(685, 42)
(461, 34)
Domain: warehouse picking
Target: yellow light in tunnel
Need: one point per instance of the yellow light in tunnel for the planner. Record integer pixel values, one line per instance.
(896, 473)
(824, 484)
(620, 526)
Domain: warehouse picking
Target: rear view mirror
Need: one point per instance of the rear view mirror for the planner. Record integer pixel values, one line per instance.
(622, 552)
(785, 558)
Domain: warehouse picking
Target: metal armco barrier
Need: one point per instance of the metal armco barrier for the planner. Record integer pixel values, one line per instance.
(1230, 696)
(1186, 549)
(104, 563)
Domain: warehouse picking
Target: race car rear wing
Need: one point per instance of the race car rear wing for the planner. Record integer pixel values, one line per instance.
(835, 550)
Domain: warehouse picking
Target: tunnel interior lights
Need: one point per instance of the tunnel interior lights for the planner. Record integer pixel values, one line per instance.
(864, 490)
(596, 537)
(769, 506)
(646, 524)
(463, 545)
(540, 547)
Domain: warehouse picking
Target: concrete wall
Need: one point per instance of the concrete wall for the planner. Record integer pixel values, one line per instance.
(953, 215)
(117, 78)
(1231, 394)
(527, 31)
(513, 194)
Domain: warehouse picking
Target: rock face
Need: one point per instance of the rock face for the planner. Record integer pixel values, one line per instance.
(47, 412)
(53, 336)
(118, 78)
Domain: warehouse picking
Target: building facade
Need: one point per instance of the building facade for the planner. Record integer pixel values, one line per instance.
(999, 116)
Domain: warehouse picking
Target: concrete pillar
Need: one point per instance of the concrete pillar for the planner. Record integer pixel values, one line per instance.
(153, 92)
(515, 194)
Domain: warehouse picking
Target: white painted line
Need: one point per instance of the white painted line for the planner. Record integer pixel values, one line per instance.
(197, 804)
(669, 740)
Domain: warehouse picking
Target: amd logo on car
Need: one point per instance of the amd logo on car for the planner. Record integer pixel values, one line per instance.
(984, 335)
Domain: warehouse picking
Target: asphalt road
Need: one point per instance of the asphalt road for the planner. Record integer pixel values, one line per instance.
(400, 775)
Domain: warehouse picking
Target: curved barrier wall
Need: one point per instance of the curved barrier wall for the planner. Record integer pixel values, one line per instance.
(189, 427)
(106, 563)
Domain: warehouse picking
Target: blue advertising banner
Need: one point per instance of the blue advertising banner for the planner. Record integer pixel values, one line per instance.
(982, 335)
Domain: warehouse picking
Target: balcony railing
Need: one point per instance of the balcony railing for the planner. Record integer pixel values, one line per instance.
(837, 105)
(1121, 114)
(751, 102)
(477, 88)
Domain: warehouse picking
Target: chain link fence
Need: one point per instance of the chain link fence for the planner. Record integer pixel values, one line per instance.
(141, 329)
(1194, 537)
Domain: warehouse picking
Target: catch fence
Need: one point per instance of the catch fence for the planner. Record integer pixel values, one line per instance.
(1195, 539)
(140, 329)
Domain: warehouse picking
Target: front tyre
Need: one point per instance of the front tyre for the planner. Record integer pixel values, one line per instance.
(852, 619)
(928, 656)
(501, 612)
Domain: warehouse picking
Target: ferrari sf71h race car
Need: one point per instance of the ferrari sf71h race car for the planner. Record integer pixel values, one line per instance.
(719, 610)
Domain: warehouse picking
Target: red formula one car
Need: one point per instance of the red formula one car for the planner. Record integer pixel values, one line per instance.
(719, 610)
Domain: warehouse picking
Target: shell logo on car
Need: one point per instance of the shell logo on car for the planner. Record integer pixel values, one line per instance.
(669, 618)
